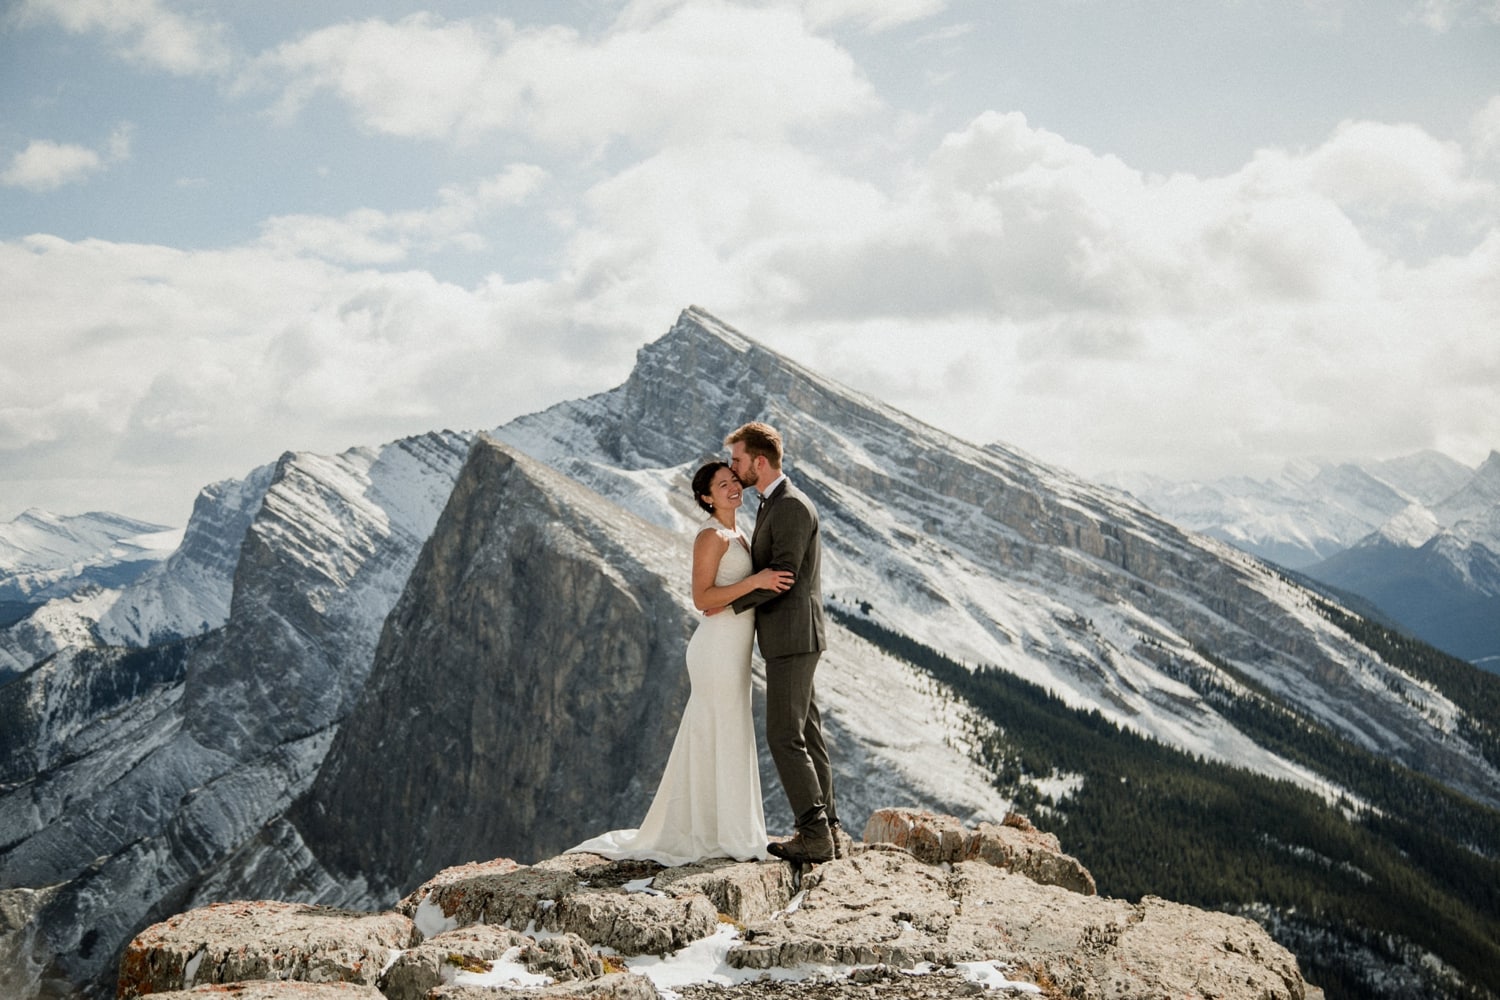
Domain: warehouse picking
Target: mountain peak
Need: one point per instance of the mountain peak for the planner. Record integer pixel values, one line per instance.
(1476, 503)
(706, 322)
(690, 387)
(1412, 528)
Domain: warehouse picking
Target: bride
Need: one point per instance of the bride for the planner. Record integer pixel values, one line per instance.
(708, 803)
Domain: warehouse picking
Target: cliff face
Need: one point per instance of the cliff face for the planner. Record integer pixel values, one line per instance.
(530, 675)
(327, 554)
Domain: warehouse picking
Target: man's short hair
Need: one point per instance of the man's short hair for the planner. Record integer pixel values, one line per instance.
(759, 439)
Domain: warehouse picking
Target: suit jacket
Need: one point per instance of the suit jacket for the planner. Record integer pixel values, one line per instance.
(786, 537)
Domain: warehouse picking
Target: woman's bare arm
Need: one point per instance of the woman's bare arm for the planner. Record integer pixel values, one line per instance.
(708, 550)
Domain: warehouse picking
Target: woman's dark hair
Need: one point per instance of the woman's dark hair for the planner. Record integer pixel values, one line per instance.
(703, 481)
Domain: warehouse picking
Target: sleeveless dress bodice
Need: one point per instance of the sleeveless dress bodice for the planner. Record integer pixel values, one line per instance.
(733, 568)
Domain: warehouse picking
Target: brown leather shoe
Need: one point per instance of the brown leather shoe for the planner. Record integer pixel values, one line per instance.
(808, 848)
(782, 848)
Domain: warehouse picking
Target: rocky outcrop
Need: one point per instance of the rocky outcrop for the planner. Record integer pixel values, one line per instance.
(235, 942)
(1015, 845)
(885, 908)
(572, 926)
(581, 894)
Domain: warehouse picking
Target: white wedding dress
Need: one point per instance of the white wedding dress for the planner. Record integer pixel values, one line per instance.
(708, 804)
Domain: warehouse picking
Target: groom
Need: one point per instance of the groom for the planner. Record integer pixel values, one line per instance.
(789, 628)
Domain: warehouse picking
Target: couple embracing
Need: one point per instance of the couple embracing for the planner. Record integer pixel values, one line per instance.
(764, 588)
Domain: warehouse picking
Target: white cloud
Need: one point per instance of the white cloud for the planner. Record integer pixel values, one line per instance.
(699, 71)
(872, 15)
(1444, 15)
(45, 165)
(1092, 311)
(369, 237)
(1484, 130)
(199, 365)
(865, 15)
(1013, 286)
(146, 31)
(1383, 167)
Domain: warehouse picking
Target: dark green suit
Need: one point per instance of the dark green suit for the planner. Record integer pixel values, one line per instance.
(790, 631)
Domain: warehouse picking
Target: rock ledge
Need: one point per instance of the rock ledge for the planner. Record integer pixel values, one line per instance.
(923, 893)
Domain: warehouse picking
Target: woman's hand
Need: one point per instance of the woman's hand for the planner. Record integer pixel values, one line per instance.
(775, 580)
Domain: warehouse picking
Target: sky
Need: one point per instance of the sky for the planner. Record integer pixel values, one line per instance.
(1192, 238)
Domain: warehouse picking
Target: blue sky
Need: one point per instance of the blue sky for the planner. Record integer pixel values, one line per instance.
(1190, 238)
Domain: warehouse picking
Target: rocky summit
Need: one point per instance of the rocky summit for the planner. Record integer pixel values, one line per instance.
(925, 907)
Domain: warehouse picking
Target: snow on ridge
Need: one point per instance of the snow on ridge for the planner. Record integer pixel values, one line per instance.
(1414, 527)
(1309, 511)
(353, 498)
(331, 511)
(907, 735)
(39, 541)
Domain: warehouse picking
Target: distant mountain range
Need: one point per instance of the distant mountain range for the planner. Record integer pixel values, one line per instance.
(1417, 537)
(358, 669)
(45, 556)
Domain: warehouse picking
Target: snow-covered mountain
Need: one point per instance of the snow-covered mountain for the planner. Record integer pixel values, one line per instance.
(1418, 537)
(126, 772)
(45, 556)
(1434, 570)
(345, 727)
(182, 590)
(1307, 513)
(987, 554)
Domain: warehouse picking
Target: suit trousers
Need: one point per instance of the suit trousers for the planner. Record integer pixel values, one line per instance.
(794, 733)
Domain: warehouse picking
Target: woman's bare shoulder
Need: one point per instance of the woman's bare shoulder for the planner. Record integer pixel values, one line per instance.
(715, 534)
